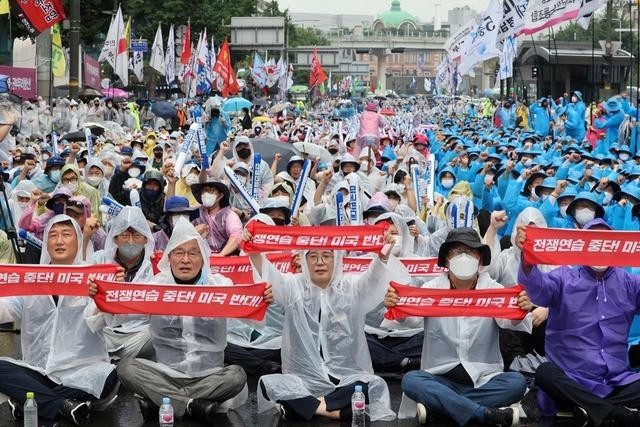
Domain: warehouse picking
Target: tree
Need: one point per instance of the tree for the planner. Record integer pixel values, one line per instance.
(295, 35)
(574, 32)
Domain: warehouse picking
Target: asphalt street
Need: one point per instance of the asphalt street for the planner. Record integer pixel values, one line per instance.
(125, 413)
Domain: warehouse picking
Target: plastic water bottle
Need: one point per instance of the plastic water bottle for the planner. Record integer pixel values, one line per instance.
(358, 402)
(30, 411)
(166, 413)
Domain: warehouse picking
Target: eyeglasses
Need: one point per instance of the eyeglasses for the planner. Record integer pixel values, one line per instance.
(131, 234)
(463, 250)
(180, 254)
(313, 258)
(70, 180)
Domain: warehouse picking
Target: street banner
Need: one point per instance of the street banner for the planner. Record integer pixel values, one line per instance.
(91, 72)
(38, 15)
(64, 280)
(543, 14)
(499, 303)
(270, 238)
(245, 302)
(21, 81)
(555, 246)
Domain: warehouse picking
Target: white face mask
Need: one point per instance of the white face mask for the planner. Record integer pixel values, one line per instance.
(528, 163)
(563, 211)
(284, 199)
(23, 205)
(607, 198)
(397, 247)
(599, 268)
(488, 179)
(574, 99)
(134, 172)
(447, 183)
(175, 218)
(584, 215)
(94, 181)
(208, 200)
(191, 179)
(393, 204)
(72, 186)
(464, 266)
(623, 156)
(364, 166)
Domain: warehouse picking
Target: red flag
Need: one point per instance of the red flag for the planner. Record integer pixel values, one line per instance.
(227, 82)
(186, 45)
(38, 15)
(317, 76)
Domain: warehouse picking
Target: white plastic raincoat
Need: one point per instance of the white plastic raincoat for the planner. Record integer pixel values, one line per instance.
(57, 340)
(324, 336)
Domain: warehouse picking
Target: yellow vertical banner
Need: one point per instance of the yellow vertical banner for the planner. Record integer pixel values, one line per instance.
(58, 62)
(4, 7)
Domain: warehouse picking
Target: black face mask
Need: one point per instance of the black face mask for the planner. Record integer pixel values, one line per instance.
(158, 155)
(244, 153)
(333, 150)
(279, 221)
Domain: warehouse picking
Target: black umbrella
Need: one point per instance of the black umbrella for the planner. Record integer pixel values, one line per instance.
(269, 147)
(164, 109)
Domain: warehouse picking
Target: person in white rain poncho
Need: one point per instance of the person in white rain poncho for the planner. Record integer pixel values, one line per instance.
(129, 244)
(189, 351)
(324, 348)
(462, 375)
(64, 360)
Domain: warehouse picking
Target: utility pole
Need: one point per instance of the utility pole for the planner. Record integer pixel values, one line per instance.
(74, 60)
(608, 47)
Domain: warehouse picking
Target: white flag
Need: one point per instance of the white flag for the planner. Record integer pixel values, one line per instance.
(157, 53)
(512, 24)
(542, 14)
(170, 58)
(137, 65)
(507, 57)
(587, 9)
(122, 55)
(482, 45)
(109, 50)
(456, 45)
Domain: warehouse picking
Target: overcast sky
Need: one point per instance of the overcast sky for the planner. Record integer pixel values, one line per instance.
(422, 8)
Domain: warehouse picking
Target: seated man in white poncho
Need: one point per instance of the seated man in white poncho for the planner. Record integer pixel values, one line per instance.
(324, 349)
(130, 245)
(189, 351)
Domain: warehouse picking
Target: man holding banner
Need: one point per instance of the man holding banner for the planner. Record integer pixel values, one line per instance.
(590, 311)
(65, 361)
(189, 350)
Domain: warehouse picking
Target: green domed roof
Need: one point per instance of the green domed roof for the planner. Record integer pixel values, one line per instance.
(396, 16)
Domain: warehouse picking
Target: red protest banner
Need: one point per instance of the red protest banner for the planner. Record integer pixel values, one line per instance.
(415, 266)
(245, 302)
(67, 280)
(269, 238)
(38, 15)
(554, 246)
(498, 303)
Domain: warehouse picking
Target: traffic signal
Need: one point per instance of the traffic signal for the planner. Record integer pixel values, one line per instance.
(534, 71)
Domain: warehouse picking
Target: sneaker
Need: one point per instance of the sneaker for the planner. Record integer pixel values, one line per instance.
(76, 411)
(149, 410)
(422, 414)
(580, 417)
(503, 417)
(203, 410)
(410, 364)
(16, 409)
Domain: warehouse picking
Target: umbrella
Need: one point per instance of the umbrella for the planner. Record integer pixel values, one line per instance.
(269, 147)
(278, 108)
(114, 92)
(96, 128)
(313, 150)
(164, 109)
(236, 104)
(88, 92)
(74, 136)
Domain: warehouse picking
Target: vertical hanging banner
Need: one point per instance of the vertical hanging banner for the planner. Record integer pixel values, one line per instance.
(543, 14)
(38, 15)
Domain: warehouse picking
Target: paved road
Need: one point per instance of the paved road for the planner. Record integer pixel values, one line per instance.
(125, 412)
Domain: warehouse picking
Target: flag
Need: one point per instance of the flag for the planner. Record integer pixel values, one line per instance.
(211, 61)
(122, 54)
(58, 62)
(427, 84)
(512, 24)
(456, 44)
(4, 7)
(170, 58)
(38, 16)
(202, 60)
(157, 53)
(137, 65)
(317, 76)
(271, 68)
(226, 81)
(258, 72)
(413, 83)
(329, 85)
(482, 45)
(587, 9)
(506, 58)
(539, 15)
(186, 45)
(110, 48)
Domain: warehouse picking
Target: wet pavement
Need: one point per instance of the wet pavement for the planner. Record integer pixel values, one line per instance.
(125, 413)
